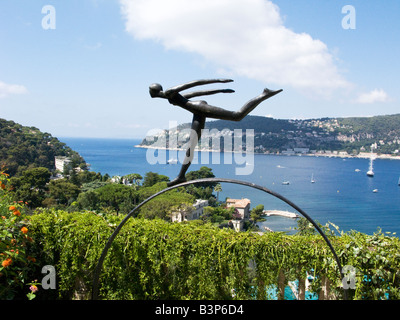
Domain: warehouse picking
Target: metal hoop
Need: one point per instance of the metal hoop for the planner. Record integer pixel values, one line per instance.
(96, 275)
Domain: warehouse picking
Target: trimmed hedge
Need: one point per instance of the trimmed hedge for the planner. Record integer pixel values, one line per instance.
(155, 259)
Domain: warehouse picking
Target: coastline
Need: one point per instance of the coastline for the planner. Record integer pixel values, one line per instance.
(362, 155)
(359, 156)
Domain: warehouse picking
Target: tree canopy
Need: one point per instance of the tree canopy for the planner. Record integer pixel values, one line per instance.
(23, 148)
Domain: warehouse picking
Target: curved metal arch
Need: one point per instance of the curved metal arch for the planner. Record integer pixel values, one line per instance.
(198, 181)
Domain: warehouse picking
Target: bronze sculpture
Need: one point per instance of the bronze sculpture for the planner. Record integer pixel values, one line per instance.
(202, 110)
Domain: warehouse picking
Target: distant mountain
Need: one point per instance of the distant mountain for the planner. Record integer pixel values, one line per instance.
(24, 147)
(352, 135)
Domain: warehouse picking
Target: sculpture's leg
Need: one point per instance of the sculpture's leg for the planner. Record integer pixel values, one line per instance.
(250, 105)
(195, 134)
(223, 114)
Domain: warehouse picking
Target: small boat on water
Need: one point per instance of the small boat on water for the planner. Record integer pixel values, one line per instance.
(312, 178)
(375, 191)
(172, 161)
(285, 182)
(370, 172)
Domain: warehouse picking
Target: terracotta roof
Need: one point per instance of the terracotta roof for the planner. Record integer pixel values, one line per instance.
(238, 203)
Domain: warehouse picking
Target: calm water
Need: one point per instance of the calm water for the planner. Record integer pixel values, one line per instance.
(340, 195)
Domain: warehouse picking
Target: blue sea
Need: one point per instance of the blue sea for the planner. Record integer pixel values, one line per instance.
(340, 194)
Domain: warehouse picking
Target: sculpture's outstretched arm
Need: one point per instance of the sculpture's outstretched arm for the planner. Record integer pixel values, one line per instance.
(194, 84)
(206, 93)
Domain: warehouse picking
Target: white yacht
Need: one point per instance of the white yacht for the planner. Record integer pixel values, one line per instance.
(172, 161)
(370, 172)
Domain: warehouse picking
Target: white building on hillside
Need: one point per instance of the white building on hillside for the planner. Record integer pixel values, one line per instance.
(61, 162)
(198, 208)
(195, 213)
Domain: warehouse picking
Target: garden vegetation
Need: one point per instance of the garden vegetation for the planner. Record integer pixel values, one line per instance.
(65, 223)
(156, 259)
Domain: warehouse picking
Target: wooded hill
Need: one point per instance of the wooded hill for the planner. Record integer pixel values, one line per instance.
(354, 135)
(24, 147)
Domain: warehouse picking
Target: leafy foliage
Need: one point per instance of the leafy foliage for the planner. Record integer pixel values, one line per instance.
(22, 148)
(17, 260)
(153, 259)
(31, 186)
(257, 212)
(201, 190)
(151, 178)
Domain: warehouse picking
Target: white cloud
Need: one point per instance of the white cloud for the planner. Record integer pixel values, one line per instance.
(246, 38)
(377, 95)
(8, 89)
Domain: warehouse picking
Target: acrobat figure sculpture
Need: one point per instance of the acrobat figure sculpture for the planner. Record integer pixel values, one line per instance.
(202, 110)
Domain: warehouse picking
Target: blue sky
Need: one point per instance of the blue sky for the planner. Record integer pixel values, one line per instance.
(89, 76)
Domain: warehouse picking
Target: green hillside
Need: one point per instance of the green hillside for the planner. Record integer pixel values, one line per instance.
(352, 135)
(24, 147)
(259, 124)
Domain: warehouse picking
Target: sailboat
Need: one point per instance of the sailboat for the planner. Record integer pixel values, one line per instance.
(370, 172)
(172, 161)
(312, 178)
(398, 182)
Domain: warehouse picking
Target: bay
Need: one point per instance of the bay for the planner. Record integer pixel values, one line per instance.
(340, 195)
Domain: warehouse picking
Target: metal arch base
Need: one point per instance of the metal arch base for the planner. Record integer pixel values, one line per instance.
(97, 271)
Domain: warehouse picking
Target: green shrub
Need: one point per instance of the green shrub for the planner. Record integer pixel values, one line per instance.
(155, 259)
(17, 260)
